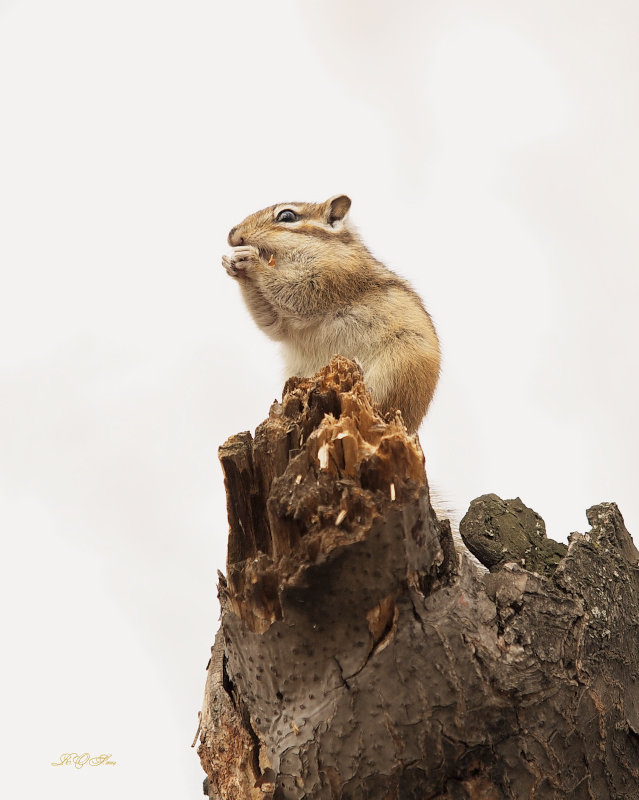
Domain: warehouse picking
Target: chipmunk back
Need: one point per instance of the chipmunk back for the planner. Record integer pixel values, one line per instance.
(311, 283)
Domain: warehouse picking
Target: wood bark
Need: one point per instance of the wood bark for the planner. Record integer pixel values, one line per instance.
(361, 656)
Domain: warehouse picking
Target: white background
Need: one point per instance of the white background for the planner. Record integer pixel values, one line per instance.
(490, 149)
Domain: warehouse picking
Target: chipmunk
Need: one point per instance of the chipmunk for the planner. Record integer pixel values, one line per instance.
(312, 284)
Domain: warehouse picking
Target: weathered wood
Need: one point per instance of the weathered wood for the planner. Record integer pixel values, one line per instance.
(363, 659)
(497, 531)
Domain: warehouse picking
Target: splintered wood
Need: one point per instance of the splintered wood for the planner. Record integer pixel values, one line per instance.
(321, 468)
(357, 658)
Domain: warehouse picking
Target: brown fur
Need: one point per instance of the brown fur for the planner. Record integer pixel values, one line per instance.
(327, 295)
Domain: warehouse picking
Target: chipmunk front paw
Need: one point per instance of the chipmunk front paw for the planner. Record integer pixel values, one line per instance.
(242, 261)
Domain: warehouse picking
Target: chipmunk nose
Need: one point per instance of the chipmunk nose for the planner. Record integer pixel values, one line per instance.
(235, 240)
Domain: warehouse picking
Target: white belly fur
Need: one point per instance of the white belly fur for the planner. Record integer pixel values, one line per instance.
(311, 349)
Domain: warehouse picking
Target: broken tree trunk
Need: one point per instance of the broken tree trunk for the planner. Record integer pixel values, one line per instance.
(360, 657)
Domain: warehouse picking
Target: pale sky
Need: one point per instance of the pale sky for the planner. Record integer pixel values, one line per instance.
(490, 150)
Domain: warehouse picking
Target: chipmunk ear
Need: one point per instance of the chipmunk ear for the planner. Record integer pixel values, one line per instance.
(337, 208)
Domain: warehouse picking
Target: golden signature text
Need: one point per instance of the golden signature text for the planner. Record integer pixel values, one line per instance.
(80, 759)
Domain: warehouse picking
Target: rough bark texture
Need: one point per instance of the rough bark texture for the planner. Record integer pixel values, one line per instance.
(360, 657)
(497, 531)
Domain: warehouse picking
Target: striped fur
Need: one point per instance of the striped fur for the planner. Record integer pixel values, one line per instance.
(327, 295)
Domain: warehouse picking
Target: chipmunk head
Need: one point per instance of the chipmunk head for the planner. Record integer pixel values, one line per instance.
(295, 227)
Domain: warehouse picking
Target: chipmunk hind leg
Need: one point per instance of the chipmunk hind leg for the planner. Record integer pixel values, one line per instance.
(403, 380)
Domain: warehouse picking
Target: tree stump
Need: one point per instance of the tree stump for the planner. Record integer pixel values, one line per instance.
(359, 656)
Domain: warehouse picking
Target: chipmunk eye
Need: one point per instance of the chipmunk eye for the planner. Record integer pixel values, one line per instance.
(287, 216)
